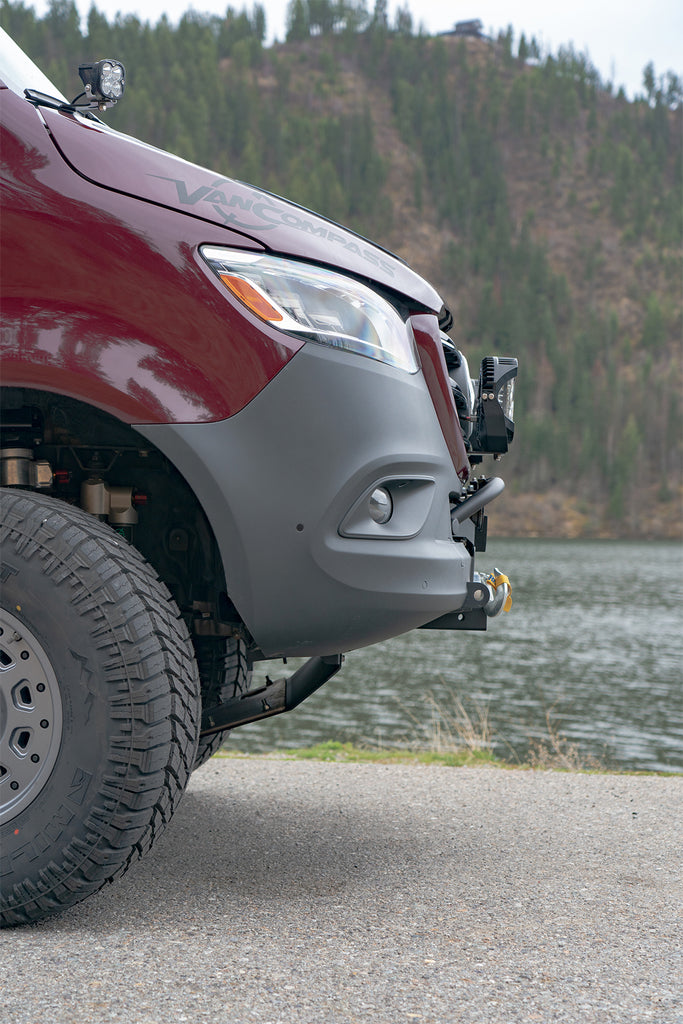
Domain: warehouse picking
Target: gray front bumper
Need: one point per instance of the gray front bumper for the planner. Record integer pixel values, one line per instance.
(284, 484)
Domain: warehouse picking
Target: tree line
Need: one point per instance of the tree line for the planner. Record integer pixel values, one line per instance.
(599, 410)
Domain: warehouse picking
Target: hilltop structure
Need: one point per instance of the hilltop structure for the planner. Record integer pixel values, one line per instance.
(473, 29)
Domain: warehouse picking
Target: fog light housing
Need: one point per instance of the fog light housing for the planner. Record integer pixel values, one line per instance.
(380, 505)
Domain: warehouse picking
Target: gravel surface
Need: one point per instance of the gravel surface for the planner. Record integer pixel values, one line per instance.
(289, 892)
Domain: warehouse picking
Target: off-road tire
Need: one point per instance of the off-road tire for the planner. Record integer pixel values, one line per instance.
(100, 689)
(225, 674)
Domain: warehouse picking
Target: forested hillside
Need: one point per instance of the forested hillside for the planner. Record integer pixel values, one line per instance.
(546, 209)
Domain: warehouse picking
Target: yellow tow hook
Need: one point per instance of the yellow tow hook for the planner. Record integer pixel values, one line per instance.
(501, 596)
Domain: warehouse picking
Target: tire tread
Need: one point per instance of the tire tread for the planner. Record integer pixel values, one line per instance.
(153, 688)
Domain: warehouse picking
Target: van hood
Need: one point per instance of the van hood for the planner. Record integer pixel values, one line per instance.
(123, 164)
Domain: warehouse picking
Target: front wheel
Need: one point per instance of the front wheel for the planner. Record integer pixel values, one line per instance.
(99, 706)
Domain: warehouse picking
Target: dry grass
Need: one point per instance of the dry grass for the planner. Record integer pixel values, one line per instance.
(451, 728)
(454, 729)
(556, 752)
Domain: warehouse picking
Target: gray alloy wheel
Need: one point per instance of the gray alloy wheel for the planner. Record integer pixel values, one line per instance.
(30, 716)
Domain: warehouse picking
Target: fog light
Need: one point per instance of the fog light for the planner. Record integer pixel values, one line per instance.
(380, 505)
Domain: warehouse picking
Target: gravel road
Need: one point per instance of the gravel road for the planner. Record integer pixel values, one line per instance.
(289, 892)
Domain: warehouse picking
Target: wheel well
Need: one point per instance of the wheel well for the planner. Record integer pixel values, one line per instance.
(84, 456)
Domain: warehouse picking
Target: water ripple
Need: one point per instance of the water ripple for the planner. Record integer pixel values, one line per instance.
(594, 639)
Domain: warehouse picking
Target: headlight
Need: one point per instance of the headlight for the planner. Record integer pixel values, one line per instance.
(315, 304)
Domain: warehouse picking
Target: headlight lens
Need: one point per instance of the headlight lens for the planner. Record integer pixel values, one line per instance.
(316, 304)
(111, 80)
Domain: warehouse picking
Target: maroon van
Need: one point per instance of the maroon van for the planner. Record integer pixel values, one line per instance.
(231, 431)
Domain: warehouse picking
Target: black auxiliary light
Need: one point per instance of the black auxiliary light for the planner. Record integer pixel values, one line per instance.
(104, 81)
(495, 409)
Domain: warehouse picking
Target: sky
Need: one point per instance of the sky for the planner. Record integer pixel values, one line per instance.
(620, 38)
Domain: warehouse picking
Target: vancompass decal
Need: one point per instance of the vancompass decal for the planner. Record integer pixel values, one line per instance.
(262, 214)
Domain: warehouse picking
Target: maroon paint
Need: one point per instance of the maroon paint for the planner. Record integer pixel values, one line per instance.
(104, 296)
(118, 162)
(428, 338)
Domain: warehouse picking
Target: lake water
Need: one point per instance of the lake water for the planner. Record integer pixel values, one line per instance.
(594, 641)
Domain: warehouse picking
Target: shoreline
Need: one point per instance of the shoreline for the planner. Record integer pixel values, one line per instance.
(555, 515)
(347, 753)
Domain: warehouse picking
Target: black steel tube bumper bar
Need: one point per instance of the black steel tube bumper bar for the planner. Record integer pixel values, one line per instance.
(276, 697)
(490, 490)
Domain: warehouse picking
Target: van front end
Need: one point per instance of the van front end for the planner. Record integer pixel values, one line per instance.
(342, 498)
(230, 431)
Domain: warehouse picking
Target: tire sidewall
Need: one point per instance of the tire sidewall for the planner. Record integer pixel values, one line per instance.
(129, 697)
(55, 817)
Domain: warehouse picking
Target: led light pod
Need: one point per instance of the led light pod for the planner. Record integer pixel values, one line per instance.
(104, 81)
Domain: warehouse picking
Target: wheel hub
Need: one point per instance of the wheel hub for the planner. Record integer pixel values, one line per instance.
(30, 716)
